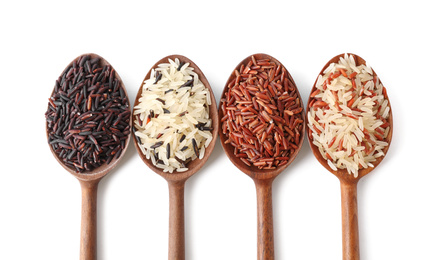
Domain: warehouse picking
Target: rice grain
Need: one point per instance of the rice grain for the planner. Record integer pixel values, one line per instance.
(348, 116)
(173, 111)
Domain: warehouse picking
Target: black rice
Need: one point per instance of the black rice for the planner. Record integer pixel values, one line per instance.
(157, 144)
(180, 65)
(158, 76)
(88, 115)
(189, 83)
(168, 151)
(195, 147)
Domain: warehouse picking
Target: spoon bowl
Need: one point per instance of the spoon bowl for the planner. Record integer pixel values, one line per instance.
(176, 180)
(253, 171)
(343, 173)
(262, 178)
(89, 179)
(350, 229)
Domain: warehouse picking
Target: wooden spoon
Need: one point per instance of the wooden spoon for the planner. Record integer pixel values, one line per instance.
(176, 180)
(350, 229)
(262, 178)
(89, 181)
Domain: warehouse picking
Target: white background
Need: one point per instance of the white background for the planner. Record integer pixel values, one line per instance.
(40, 202)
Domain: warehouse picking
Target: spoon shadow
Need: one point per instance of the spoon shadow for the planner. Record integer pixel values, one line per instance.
(102, 192)
(190, 194)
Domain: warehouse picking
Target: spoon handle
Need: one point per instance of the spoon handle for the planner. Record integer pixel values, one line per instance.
(176, 221)
(350, 227)
(88, 220)
(265, 223)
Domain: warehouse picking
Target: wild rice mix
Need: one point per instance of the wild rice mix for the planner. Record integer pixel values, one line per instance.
(88, 115)
(348, 116)
(172, 122)
(262, 114)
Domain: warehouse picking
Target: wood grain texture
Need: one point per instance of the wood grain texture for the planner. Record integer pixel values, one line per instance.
(88, 220)
(176, 220)
(350, 227)
(177, 180)
(265, 220)
(262, 178)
